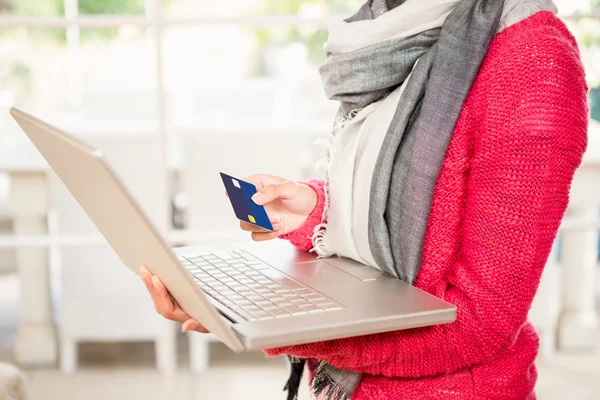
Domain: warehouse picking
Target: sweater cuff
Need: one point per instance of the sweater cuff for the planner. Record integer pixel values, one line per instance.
(301, 238)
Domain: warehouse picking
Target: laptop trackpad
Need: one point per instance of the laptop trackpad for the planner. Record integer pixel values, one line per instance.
(356, 269)
(320, 272)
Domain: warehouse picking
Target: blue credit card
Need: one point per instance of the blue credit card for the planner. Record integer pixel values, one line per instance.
(240, 194)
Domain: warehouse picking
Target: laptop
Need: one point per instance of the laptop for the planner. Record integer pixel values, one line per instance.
(251, 297)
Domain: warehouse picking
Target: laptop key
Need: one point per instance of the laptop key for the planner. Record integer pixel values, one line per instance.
(302, 290)
(311, 295)
(255, 286)
(278, 300)
(309, 307)
(258, 266)
(290, 308)
(237, 264)
(319, 300)
(262, 315)
(279, 313)
(246, 255)
(330, 307)
(223, 255)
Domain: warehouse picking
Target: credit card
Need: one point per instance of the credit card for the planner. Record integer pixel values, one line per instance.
(240, 194)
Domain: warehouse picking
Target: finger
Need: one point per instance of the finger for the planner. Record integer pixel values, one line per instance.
(284, 191)
(258, 180)
(276, 223)
(261, 237)
(166, 305)
(248, 227)
(147, 279)
(193, 325)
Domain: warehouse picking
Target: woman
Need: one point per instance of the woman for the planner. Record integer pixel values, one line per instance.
(460, 127)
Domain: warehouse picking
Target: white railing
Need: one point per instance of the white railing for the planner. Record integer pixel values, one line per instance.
(571, 315)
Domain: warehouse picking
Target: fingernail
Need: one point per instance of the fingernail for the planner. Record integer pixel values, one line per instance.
(155, 281)
(187, 326)
(259, 198)
(278, 226)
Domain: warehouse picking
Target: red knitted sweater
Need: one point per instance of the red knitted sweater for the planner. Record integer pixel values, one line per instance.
(497, 205)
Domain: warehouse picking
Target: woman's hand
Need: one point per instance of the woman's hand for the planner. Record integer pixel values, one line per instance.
(288, 205)
(164, 304)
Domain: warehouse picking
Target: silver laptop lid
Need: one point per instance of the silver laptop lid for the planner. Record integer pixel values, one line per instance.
(120, 220)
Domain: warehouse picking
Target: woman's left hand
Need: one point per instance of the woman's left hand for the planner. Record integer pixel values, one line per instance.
(164, 304)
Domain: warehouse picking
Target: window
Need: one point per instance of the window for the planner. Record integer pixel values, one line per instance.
(163, 66)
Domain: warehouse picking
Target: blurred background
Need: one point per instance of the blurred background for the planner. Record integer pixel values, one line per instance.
(173, 91)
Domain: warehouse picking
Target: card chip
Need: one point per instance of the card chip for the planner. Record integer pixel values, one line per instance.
(251, 219)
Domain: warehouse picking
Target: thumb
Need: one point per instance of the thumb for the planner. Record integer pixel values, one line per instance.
(283, 191)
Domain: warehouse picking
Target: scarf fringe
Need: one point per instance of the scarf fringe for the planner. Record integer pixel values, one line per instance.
(318, 237)
(324, 388)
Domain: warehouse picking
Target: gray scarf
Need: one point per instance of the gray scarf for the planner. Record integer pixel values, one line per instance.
(415, 144)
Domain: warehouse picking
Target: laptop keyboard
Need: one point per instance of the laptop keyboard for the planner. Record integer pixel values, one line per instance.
(253, 289)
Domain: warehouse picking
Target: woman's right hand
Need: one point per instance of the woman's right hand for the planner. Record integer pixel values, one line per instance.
(288, 205)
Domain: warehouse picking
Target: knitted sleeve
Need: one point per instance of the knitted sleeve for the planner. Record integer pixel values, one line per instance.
(302, 237)
(525, 153)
